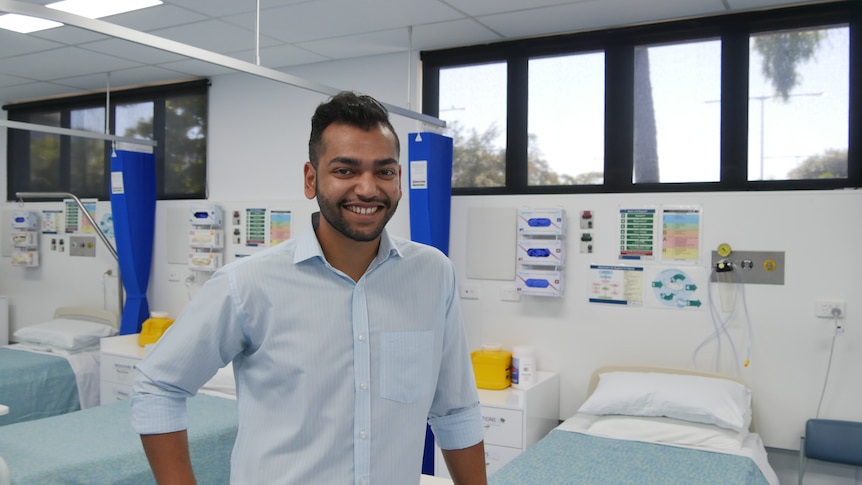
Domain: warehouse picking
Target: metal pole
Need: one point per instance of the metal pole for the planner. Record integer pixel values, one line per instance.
(59, 195)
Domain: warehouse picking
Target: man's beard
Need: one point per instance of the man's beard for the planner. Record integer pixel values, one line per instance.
(332, 213)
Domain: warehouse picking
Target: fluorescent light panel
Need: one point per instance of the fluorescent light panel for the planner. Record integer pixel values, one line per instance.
(25, 24)
(93, 9)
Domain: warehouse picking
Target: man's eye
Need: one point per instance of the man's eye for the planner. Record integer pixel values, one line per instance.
(341, 171)
(388, 172)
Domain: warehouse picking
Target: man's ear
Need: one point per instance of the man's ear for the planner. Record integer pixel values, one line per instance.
(310, 176)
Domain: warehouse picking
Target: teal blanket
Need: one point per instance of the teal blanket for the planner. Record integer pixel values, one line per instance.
(36, 386)
(97, 446)
(563, 457)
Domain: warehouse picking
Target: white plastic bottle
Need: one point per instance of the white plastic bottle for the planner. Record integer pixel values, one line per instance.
(523, 366)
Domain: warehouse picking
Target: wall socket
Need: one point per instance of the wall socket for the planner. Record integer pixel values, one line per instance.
(825, 308)
(470, 292)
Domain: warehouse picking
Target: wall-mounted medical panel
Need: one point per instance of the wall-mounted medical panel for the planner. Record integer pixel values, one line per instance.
(541, 252)
(206, 238)
(24, 237)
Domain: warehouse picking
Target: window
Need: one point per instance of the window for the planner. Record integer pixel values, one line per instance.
(565, 120)
(473, 103)
(798, 111)
(175, 116)
(756, 101)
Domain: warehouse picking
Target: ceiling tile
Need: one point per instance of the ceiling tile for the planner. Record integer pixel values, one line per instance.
(62, 63)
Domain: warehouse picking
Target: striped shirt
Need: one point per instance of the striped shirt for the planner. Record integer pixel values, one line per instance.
(336, 379)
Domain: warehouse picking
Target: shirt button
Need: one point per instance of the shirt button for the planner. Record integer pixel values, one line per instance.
(363, 434)
(363, 481)
(362, 337)
(363, 386)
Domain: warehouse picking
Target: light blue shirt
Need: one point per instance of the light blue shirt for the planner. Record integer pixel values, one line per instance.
(336, 379)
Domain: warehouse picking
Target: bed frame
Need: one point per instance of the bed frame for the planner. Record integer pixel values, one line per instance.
(87, 313)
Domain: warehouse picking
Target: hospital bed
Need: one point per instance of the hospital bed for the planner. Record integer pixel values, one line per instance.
(54, 368)
(98, 446)
(650, 425)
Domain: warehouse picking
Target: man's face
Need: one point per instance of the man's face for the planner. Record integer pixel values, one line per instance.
(358, 180)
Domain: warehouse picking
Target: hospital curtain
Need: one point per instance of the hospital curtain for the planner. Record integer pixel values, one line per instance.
(133, 202)
(430, 185)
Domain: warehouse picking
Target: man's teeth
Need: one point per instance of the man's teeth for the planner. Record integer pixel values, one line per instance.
(362, 210)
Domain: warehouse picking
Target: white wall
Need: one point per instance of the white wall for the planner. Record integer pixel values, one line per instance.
(258, 143)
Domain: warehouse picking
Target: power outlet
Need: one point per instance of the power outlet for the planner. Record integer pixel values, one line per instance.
(470, 292)
(827, 308)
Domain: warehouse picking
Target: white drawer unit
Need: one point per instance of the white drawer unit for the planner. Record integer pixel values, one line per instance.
(119, 356)
(514, 419)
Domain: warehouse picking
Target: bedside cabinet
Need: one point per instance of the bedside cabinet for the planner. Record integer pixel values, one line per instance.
(118, 358)
(514, 419)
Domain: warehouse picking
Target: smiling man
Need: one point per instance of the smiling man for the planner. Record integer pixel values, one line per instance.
(345, 341)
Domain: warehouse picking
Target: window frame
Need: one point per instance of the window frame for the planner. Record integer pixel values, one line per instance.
(18, 151)
(734, 31)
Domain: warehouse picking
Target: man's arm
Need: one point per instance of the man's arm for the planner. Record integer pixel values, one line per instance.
(169, 457)
(467, 466)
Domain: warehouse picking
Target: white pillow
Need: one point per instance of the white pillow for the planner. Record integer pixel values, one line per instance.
(667, 430)
(65, 333)
(699, 399)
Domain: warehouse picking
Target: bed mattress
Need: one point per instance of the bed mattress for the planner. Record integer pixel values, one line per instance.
(568, 454)
(98, 446)
(36, 385)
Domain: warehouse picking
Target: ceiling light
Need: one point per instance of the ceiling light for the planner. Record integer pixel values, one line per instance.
(25, 24)
(95, 9)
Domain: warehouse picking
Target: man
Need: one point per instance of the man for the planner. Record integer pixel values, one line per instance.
(345, 340)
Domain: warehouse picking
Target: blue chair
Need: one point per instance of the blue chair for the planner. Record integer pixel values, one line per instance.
(830, 440)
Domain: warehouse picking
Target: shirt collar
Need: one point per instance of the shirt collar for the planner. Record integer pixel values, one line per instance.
(308, 247)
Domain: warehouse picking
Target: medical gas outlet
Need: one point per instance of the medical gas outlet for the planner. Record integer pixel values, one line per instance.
(25, 239)
(206, 238)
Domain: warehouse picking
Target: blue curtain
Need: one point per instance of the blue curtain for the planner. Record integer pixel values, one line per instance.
(430, 185)
(133, 202)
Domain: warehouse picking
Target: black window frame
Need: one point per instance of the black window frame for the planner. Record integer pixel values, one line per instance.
(618, 45)
(18, 146)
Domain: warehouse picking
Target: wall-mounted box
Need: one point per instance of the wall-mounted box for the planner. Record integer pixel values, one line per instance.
(25, 221)
(26, 259)
(205, 261)
(540, 283)
(541, 252)
(206, 215)
(541, 222)
(25, 239)
(206, 238)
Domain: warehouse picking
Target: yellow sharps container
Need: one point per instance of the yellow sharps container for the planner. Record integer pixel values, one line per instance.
(153, 328)
(492, 367)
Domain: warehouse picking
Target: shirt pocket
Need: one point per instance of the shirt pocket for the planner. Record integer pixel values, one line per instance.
(405, 365)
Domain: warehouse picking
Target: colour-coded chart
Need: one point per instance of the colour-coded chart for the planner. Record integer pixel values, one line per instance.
(637, 233)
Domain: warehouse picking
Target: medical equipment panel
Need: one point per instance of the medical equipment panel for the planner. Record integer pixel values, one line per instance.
(206, 238)
(541, 252)
(25, 239)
